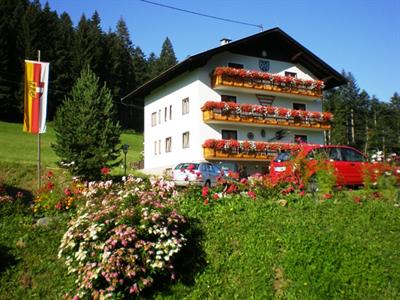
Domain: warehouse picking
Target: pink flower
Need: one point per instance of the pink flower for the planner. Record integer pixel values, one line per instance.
(50, 174)
(327, 196)
(58, 206)
(134, 289)
(19, 195)
(205, 202)
(67, 191)
(357, 199)
(251, 194)
(243, 180)
(204, 191)
(215, 196)
(302, 193)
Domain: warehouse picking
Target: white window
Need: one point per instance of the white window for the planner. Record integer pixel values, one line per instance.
(159, 116)
(165, 114)
(168, 144)
(185, 139)
(170, 112)
(155, 147)
(159, 146)
(154, 119)
(185, 106)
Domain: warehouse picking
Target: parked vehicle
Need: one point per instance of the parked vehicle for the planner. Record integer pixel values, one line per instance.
(229, 168)
(203, 174)
(350, 165)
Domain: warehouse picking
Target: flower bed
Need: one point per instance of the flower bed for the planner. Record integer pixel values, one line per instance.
(125, 236)
(268, 81)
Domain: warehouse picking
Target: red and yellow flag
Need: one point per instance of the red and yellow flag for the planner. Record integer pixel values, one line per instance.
(35, 98)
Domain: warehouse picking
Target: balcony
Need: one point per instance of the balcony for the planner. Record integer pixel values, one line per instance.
(274, 84)
(266, 116)
(243, 150)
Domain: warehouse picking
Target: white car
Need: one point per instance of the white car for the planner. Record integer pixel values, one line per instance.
(203, 174)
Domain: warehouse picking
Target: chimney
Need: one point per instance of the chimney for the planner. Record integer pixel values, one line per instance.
(225, 41)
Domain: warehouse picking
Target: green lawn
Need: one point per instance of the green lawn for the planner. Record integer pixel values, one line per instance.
(21, 147)
(238, 248)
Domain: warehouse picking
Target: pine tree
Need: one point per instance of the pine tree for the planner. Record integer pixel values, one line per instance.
(140, 66)
(87, 133)
(89, 46)
(10, 79)
(167, 56)
(152, 66)
(61, 76)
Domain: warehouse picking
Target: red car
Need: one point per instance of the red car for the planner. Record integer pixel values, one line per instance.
(350, 165)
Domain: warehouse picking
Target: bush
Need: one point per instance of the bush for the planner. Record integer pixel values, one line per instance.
(125, 236)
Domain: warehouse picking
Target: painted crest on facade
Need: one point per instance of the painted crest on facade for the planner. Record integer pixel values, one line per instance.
(264, 65)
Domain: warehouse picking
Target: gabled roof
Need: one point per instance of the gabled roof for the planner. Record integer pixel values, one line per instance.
(277, 44)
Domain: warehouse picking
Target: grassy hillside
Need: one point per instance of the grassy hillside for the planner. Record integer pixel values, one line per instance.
(21, 147)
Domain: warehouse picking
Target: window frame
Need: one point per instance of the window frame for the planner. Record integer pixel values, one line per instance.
(235, 65)
(291, 74)
(186, 142)
(153, 119)
(229, 98)
(185, 106)
(229, 132)
(168, 144)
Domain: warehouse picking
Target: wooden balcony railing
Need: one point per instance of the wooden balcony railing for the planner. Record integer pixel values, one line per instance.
(224, 76)
(265, 115)
(243, 150)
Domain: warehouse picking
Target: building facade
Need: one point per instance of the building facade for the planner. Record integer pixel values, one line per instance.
(236, 102)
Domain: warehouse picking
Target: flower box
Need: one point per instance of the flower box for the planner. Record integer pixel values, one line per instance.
(208, 152)
(259, 120)
(271, 121)
(246, 119)
(221, 153)
(220, 117)
(208, 115)
(249, 155)
(248, 82)
(234, 118)
(266, 81)
(261, 155)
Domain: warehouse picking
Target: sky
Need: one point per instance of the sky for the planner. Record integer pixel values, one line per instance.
(358, 36)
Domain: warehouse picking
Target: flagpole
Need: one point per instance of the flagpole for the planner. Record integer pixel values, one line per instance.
(38, 141)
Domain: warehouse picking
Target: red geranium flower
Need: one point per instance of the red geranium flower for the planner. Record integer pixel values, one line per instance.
(105, 170)
(204, 191)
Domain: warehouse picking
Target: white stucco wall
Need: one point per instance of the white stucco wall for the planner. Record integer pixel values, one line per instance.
(196, 86)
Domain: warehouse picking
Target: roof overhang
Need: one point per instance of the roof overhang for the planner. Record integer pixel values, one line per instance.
(276, 43)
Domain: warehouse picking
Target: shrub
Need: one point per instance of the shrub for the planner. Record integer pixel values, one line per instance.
(126, 236)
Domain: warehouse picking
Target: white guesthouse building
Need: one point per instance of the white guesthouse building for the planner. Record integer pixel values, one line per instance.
(182, 106)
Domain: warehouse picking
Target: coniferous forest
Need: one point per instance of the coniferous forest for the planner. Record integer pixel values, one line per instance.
(26, 27)
(360, 120)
